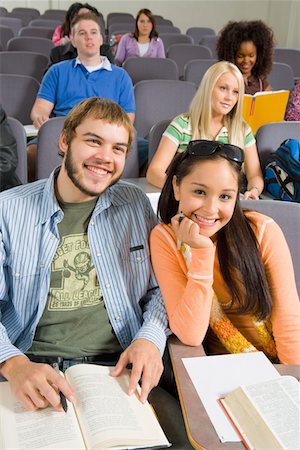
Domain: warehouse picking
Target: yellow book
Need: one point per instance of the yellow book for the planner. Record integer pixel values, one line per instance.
(267, 414)
(102, 417)
(264, 107)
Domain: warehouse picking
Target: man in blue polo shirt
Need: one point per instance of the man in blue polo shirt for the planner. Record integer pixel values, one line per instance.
(89, 75)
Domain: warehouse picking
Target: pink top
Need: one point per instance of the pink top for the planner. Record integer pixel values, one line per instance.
(56, 38)
(188, 293)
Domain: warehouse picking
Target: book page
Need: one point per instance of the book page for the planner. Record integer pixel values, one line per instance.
(108, 416)
(278, 403)
(215, 376)
(36, 430)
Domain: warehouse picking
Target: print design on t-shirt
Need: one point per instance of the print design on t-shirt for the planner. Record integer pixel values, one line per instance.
(76, 283)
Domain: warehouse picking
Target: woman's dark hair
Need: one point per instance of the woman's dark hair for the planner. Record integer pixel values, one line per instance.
(148, 13)
(71, 13)
(237, 247)
(233, 34)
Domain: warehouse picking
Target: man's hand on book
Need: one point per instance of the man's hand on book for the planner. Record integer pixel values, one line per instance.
(146, 362)
(35, 385)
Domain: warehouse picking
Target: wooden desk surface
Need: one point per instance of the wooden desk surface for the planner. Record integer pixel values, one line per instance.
(200, 430)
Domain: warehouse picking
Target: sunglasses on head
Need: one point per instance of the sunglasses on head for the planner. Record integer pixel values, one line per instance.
(202, 147)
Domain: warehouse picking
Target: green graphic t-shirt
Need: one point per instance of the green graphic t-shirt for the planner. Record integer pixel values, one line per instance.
(74, 322)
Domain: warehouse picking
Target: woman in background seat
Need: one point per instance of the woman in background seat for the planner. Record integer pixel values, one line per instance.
(215, 114)
(144, 41)
(249, 45)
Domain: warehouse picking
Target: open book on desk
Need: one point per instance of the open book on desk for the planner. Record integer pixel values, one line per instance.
(266, 415)
(215, 376)
(264, 107)
(103, 417)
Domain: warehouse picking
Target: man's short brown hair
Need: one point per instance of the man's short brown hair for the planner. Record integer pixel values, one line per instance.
(97, 108)
(85, 16)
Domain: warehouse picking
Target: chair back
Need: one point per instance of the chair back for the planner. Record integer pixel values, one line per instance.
(33, 11)
(150, 68)
(25, 16)
(155, 135)
(6, 33)
(20, 136)
(115, 28)
(119, 17)
(23, 63)
(164, 28)
(47, 157)
(57, 14)
(210, 41)
(30, 44)
(54, 14)
(161, 21)
(14, 23)
(36, 32)
(175, 38)
(194, 70)
(281, 77)
(290, 56)
(160, 99)
(3, 11)
(287, 215)
(17, 96)
(48, 23)
(131, 169)
(270, 136)
(183, 53)
(198, 32)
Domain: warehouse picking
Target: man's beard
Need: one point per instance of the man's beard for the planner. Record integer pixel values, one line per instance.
(73, 175)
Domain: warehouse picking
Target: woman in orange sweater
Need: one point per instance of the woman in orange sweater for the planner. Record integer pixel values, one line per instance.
(226, 274)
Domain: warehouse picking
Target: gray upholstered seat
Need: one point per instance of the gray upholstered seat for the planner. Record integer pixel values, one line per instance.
(151, 68)
(195, 69)
(198, 32)
(287, 215)
(30, 44)
(183, 53)
(23, 63)
(17, 95)
(19, 133)
(160, 99)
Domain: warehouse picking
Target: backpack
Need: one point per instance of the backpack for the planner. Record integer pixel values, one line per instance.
(282, 172)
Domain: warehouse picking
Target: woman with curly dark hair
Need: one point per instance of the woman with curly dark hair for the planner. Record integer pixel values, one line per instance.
(249, 45)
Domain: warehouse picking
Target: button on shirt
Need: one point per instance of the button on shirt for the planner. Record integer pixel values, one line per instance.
(118, 238)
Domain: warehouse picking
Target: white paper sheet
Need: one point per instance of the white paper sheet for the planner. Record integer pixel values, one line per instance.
(31, 131)
(216, 376)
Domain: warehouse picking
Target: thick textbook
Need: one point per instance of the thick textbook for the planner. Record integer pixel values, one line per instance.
(267, 414)
(102, 417)
(264, 107)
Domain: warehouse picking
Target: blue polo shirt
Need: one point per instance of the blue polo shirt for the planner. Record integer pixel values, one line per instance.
(67, 83)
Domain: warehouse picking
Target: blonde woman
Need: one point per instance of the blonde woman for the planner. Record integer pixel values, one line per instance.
(215, 114)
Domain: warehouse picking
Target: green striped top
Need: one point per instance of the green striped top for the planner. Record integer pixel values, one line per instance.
(180, 132)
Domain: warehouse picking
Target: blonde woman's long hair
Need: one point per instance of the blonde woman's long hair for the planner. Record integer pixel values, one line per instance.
(200, 108)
